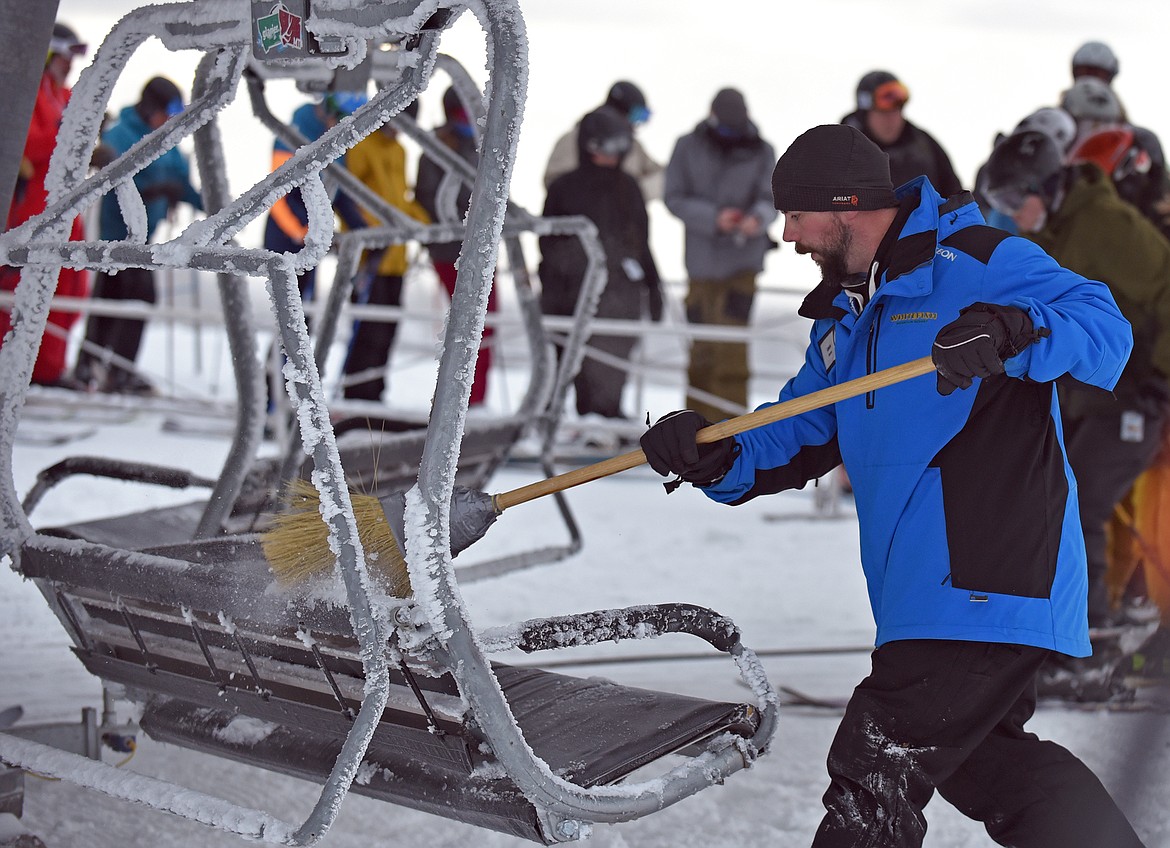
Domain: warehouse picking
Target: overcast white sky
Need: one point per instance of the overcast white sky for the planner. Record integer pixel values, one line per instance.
(973, 68)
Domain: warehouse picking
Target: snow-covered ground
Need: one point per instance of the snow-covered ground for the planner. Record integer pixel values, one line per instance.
(789, 580)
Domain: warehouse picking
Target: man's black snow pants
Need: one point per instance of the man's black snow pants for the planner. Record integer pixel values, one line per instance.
(950, 716)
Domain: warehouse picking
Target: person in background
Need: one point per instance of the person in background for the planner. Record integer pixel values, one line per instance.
(30, 197)
(379, 161)
(288, 219)
(163, 184)
(600, 190)
(1051, 120)
(1116, 150)
(457, 133)
(287, 225)
(1148, 187)
(967, 510)
(717, 184)
(1093, 105)
(1074, 213)
(628, 99)
(1138, 534)
(913, 152)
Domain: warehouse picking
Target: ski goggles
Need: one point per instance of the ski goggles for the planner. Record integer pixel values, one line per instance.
(67, 47)
(618, 145)
(175, 107)
(639, 115)
(1009, 199)
(890, 96)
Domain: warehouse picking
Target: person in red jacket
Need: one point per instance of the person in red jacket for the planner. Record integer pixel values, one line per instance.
(31, 196)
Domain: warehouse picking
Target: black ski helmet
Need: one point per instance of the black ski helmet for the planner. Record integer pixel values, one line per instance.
(868, 85)
(625, 97)
(605, 131)
(1024, 163)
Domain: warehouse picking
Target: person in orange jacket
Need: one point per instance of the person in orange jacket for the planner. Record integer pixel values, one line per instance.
(31, 197)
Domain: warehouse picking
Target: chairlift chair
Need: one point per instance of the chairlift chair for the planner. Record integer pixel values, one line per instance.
(394, 698)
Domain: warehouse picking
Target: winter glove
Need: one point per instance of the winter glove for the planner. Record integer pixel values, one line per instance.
(670, 448)
(977, 342)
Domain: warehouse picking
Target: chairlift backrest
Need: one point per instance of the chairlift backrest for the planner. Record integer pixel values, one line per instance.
(195, 630)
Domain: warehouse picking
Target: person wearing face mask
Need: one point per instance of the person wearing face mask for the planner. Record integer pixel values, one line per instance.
(624, 97)
(602, 191)
(881, 99)
(718, 183)
(1075, 214)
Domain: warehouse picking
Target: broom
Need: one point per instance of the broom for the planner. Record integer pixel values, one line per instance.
(297, 545)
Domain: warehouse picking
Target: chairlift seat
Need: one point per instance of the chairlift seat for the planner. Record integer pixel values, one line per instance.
(224, 664)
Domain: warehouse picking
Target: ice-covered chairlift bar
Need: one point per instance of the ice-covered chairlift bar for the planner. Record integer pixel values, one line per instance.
(396, 693)
(486, 441)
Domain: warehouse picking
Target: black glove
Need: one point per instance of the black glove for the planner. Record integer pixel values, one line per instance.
(977, 342)
(670, 448)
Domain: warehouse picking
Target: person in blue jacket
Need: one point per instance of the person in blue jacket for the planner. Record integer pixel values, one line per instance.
(287, 225)
(970, 538)
(163, 184)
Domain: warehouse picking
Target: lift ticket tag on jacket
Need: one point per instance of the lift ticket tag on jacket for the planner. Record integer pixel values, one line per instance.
(1133, 426)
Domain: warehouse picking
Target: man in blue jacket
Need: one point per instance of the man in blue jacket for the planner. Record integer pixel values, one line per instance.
(970, 537)
(163, 184)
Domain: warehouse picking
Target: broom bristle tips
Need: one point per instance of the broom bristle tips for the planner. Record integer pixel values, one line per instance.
(297, 545)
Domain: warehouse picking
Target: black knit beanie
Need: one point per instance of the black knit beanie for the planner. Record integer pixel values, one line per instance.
(832, 168)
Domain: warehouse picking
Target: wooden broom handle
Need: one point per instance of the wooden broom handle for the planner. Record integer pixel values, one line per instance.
(730, 427)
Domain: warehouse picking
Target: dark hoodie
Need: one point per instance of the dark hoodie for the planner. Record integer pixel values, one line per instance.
(913, 154)
(612, 200)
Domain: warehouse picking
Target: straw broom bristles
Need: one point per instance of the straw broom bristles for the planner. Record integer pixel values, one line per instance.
(297, 544)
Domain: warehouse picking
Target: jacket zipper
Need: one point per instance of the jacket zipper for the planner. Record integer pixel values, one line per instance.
(871, 351)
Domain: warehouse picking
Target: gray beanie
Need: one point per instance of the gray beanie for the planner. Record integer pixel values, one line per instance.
(832, 168)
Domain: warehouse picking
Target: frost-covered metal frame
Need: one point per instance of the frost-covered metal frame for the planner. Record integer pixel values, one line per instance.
(435, 625)
(541, 407)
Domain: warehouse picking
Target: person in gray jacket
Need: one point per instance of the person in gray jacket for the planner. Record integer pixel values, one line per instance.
(718, 183)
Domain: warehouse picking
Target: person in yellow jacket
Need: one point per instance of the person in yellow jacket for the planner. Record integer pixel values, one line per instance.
(379, 161)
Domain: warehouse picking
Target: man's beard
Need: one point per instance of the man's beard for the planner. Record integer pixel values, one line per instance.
(834, 261)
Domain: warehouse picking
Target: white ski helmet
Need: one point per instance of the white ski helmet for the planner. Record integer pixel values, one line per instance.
(1091, 99)
(1054, 122)
(1095, 55)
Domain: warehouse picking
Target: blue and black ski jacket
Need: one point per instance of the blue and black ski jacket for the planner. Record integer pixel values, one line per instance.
(966, 503)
